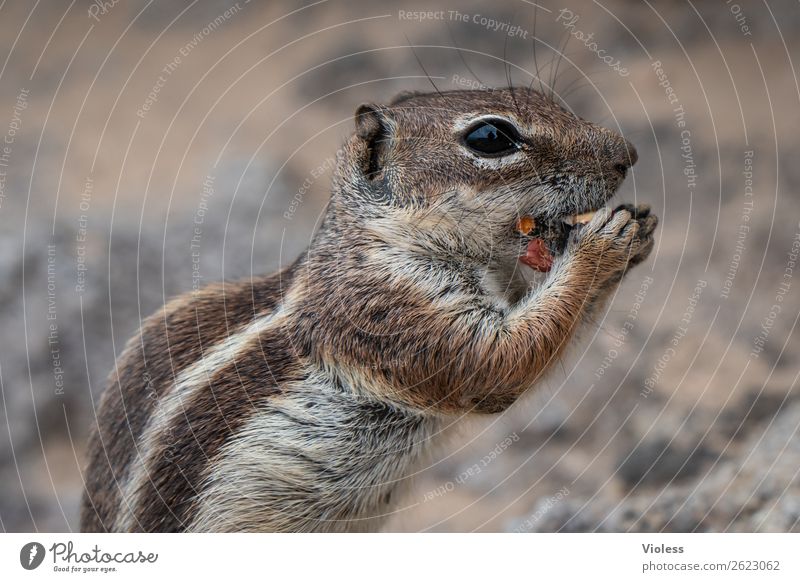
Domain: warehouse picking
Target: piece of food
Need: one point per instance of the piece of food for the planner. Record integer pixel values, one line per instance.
(526, 224)
(545, 243)
(538, 256)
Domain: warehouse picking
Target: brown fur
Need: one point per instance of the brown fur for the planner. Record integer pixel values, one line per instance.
(408, 306)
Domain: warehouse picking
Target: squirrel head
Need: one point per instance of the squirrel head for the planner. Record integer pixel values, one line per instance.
(453, 172)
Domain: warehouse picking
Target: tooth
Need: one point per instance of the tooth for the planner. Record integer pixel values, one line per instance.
(583, 218)
(579, 218)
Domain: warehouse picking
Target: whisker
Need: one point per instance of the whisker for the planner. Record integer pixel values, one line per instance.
(421, 66)
(561, 50)
(461, 55)
(535, 60)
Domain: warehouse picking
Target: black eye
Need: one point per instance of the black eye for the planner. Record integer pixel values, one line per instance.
(492, 137)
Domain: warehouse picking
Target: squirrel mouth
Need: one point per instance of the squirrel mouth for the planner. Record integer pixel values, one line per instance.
(547, 240)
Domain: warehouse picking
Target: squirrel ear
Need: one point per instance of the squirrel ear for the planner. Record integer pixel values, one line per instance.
(372, 127)
(369, 120)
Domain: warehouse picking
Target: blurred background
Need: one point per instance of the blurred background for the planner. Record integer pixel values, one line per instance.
(125, 125)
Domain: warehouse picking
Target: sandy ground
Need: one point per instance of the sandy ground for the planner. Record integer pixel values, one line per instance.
(123, 126)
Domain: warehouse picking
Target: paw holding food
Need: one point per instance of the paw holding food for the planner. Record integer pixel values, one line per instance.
(629, 224)
(615, 240)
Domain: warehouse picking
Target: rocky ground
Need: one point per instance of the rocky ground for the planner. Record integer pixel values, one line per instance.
(677, 411)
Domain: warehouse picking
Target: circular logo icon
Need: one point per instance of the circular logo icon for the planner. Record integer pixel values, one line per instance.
(31, 555)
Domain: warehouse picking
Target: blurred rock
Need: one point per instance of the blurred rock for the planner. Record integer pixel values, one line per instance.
(659, 461)
(756, 489)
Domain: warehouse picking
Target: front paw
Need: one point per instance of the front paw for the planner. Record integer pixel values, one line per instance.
(612, 242)
(647, 226)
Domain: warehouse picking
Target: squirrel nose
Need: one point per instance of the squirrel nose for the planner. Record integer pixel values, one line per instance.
(625, 158)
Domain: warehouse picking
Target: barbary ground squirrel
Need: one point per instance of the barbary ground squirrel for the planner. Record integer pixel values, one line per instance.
(302, 400)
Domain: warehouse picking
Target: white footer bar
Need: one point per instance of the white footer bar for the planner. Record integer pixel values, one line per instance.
(401, 557)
